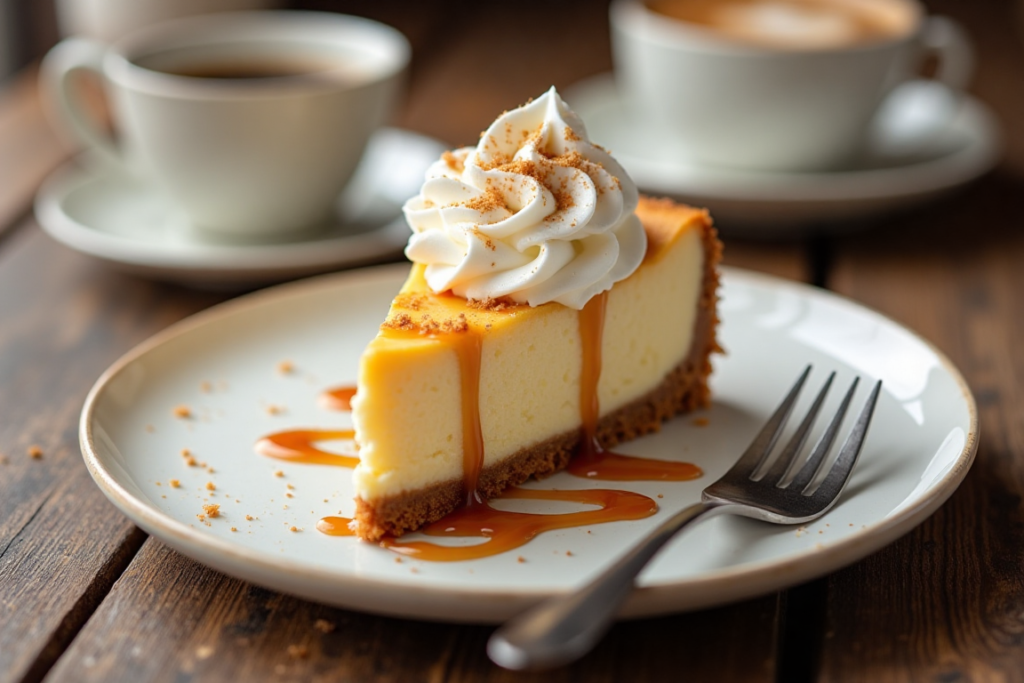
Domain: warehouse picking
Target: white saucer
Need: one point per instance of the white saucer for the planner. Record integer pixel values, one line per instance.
(778, 204)
(222, 363)
(135, 227)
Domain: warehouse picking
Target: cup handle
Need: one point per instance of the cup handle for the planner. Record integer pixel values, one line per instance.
(56, 72)
(918, 111)
(947, 40)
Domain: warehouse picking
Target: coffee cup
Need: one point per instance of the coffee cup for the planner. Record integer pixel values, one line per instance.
(775, 85)
(251, 121)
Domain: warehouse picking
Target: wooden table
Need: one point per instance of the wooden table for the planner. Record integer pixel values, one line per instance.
(85, 595)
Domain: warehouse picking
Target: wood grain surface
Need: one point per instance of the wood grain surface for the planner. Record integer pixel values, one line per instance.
(28, 148)
(85, 596)
(946, 602)
(187, 622)
(61, 544)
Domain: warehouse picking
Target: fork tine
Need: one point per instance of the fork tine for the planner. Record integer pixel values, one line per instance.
(765, 440)
(789, 456)
(837, 477)
(816, 460)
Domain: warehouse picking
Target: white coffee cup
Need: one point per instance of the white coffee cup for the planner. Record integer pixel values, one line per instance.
(723, 101)
(252, 121)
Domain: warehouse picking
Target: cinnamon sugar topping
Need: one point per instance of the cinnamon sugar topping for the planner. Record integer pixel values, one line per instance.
(489, 304)
(453, 162)
(427, 325)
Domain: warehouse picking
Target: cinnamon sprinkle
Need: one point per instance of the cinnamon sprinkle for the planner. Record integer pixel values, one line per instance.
(499, 304)
(453, 162)
(411, 300)
(489, 200)
(488, 242)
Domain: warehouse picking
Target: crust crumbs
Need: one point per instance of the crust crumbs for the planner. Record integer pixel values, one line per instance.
(427, 325)
(411, 300)
(402, 321)
(298, 651)
(323, 626)
(489, 304)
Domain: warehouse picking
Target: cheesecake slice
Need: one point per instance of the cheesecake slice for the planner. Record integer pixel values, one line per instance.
(460, 397)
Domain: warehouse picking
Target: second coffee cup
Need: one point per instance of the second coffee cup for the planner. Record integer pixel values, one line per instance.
(252, 121)
(774, 85)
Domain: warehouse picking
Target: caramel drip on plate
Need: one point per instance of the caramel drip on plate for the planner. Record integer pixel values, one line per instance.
(338, 398)
(335, 526)
(300, 446)
(607, 466)
(504, 530)
(592, 461)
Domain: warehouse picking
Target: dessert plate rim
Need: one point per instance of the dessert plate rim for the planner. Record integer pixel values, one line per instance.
(489, 605)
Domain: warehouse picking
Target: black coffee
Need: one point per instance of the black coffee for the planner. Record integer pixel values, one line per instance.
(246, 70)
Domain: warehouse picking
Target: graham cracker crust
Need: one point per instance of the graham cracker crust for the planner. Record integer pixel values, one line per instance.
(683, 390)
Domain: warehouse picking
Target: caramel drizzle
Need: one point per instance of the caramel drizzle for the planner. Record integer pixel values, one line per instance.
(300, 445)
(337, 398)
(468, 347)
(504, 530)
(592, 461)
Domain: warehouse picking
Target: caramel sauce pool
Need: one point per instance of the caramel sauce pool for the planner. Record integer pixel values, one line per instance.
(300, 445)
(505, 530)
(335, 526)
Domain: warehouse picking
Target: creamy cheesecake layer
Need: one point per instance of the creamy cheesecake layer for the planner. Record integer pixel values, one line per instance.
(408, 408)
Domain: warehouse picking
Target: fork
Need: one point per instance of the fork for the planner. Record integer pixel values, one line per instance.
(565, 628)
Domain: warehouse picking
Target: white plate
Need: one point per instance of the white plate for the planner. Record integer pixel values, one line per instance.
(132, 225)
(920, 447)
(780, 204)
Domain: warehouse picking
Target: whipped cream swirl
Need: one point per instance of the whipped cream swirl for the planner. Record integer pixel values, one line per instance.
(534, 213)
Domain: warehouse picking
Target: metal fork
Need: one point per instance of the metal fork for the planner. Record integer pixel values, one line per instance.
(565, 628)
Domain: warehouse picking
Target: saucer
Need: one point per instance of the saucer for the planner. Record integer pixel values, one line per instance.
(757, 203)
(131, 225)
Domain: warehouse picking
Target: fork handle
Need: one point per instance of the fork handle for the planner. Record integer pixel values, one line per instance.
(565, 628)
